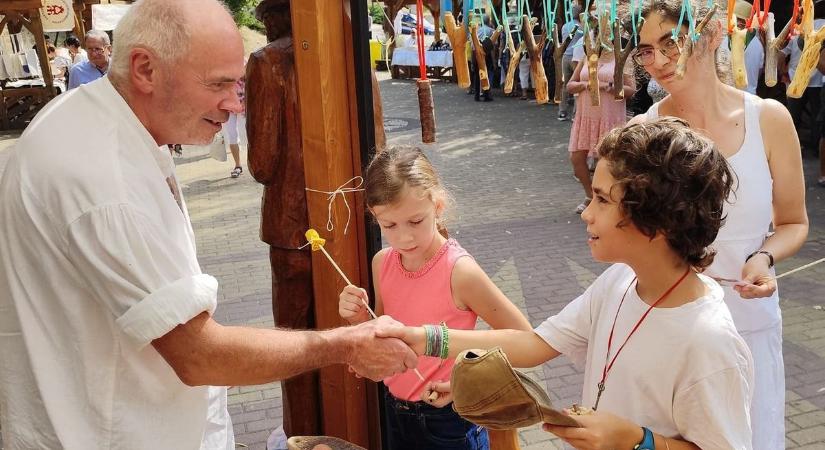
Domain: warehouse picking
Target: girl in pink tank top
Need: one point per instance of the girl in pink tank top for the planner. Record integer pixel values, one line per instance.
(423, 278)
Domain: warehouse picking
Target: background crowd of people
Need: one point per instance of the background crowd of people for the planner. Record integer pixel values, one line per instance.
(642, 90)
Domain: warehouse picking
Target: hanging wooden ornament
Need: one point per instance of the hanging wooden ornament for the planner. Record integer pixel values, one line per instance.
(737, 57)
(774, 45)
(687, 48)
(480, 59)
(534, 49)
(426, 109)
(559, 47)
(458, 41)
(517, 54)
(810, 54)
(592, 53)
(620, 55)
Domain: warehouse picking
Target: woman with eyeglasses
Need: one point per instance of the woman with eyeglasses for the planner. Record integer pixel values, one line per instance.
(766, 216)
(591, 123)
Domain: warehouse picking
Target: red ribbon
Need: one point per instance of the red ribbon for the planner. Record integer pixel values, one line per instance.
(419, 31)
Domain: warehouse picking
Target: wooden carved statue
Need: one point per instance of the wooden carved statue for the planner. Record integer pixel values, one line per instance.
(534, 49)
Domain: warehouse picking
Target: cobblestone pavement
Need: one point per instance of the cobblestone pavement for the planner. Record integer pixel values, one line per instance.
(505, 162)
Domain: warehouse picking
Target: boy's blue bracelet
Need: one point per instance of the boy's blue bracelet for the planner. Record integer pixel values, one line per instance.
(647, 443)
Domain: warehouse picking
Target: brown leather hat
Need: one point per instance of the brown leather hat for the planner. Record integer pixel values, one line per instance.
(309, 443)
(487, 391)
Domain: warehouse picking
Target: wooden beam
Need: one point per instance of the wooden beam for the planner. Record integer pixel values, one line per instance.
(79, 27)
(20, 5)
(328, 145)
(36, 28)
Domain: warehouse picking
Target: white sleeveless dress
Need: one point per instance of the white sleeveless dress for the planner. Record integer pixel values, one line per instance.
(749, 213)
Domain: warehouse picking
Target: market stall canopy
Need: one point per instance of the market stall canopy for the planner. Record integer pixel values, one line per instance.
(106, 17)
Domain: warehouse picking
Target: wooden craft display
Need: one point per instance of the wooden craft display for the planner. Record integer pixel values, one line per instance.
(770, 52)
(515, 59)
(592, 52)
(536, 67)
(458, 41)
(687, 48)
(810, 54)
(620, 55)
(480, 57)
(559, 47)
(737, 57)
(773, 46)
(604, 31)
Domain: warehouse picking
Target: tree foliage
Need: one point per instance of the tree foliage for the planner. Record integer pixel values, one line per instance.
(244, 13)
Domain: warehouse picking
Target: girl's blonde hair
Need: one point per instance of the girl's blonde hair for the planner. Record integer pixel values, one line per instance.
(397, 168)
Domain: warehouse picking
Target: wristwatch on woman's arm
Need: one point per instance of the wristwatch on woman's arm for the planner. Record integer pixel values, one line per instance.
(764, 252)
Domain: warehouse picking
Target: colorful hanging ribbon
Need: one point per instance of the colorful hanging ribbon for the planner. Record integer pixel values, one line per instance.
(636, 18)
(686, 13)
(419, 27)
(794, 17)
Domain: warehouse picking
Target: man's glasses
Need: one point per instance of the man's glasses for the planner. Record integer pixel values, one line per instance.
(96, 49)
(647, 55)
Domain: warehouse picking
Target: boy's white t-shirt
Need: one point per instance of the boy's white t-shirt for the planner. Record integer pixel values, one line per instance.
(685, 373)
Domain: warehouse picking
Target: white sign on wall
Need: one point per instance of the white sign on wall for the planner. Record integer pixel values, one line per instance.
(57, 15)
(106, 17)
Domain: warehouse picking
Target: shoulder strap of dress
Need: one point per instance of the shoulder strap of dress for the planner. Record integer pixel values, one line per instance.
(752, 128)
(653, 111)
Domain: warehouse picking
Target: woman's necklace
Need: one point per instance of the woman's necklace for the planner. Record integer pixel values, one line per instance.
(608, 363)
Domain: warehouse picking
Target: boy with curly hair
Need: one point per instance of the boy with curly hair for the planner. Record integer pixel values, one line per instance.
(664, 367)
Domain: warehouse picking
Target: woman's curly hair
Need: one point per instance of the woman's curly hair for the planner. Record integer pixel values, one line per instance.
(674, 181)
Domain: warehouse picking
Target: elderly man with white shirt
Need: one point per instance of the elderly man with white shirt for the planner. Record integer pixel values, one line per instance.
(106, 334)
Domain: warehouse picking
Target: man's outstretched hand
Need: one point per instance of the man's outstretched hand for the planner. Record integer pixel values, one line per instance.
(376, 353)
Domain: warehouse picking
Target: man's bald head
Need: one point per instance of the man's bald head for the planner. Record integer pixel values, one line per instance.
(167, 29)
(176, 63)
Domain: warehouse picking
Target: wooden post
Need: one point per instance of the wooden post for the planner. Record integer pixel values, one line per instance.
(79, 27)
(503, 439)
(325, 98)
(18, 106)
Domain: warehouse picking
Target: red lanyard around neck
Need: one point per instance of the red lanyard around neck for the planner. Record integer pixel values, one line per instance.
(608, 366)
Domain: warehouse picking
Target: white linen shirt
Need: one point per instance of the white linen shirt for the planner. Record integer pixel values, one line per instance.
(97, 259)
(685, 373)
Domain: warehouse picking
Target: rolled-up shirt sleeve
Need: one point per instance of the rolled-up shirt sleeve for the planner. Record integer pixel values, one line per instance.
(140, 272)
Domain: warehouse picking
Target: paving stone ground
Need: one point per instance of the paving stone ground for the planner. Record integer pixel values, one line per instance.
(505, 163)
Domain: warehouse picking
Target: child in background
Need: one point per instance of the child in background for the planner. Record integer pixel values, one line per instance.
(664, 367)
(592, 122)
(233, 128)
(423, 277)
